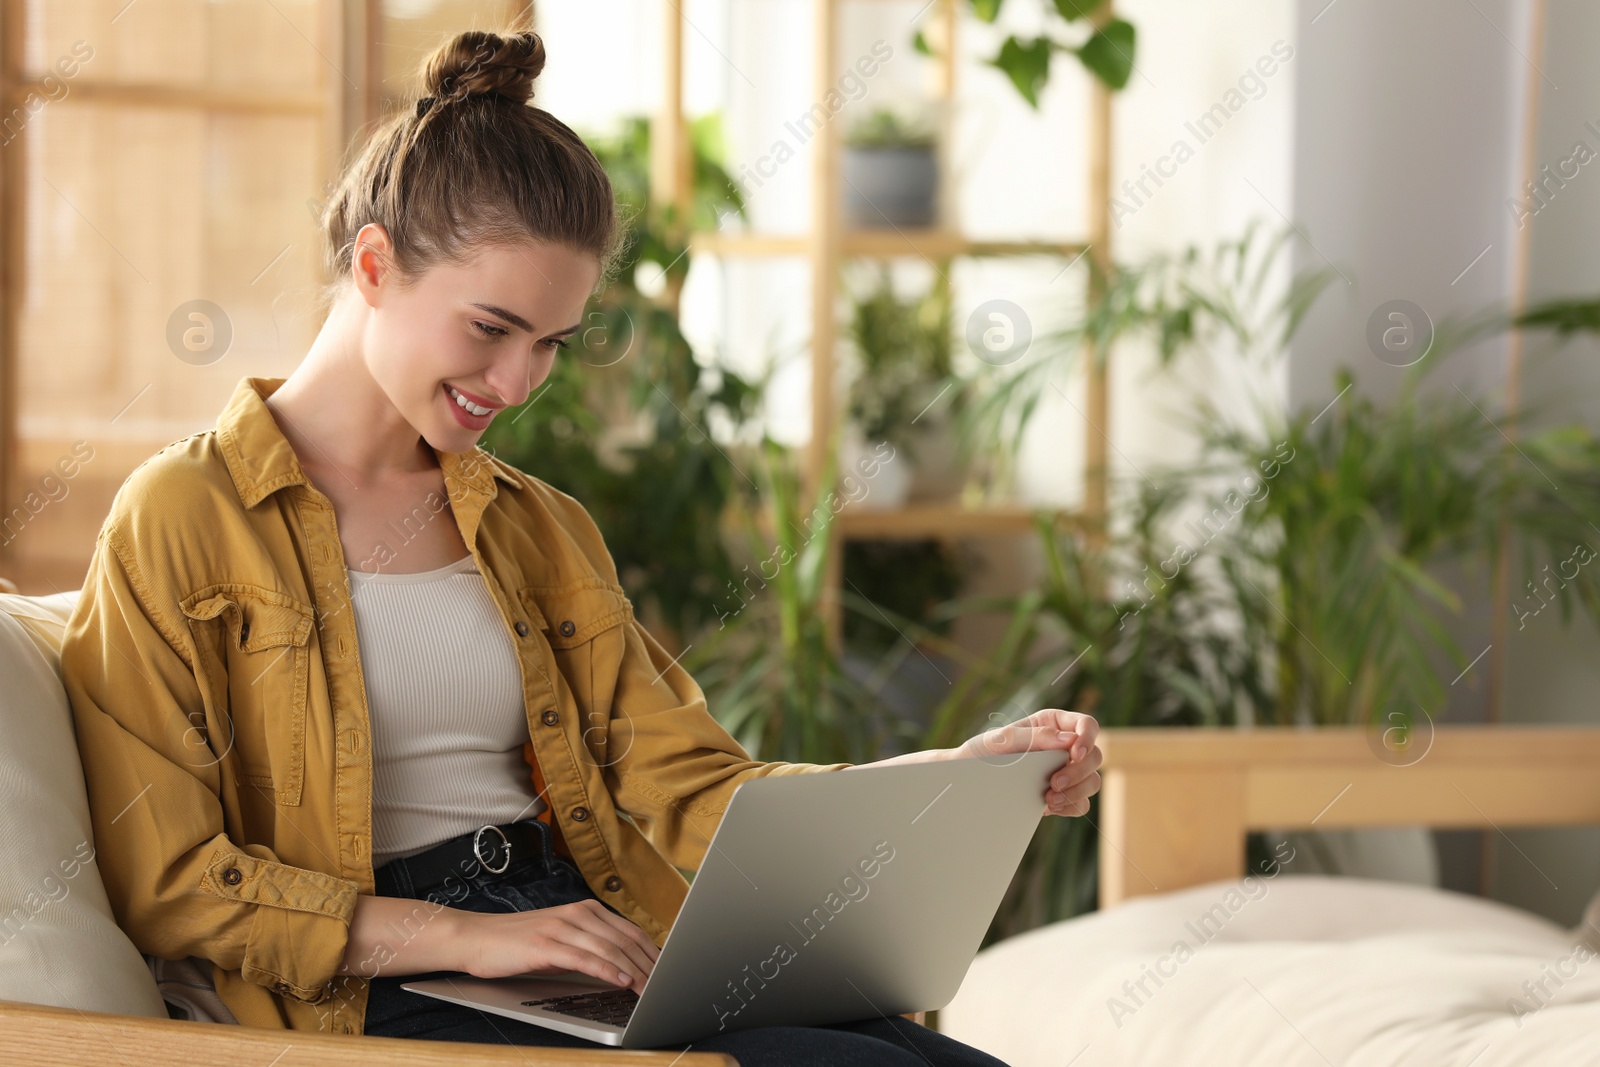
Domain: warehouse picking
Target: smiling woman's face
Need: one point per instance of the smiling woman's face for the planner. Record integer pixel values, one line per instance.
(486, 331)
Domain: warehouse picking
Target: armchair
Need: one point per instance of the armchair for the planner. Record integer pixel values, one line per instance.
(74, 991)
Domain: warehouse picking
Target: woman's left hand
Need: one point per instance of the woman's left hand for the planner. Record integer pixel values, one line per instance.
(1078, 777)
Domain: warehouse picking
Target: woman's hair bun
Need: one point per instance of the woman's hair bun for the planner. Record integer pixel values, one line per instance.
(478, 63)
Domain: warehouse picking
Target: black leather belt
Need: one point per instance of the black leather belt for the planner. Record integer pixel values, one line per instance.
(487, 850)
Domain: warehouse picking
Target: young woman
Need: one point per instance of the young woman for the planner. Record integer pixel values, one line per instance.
(509, 774)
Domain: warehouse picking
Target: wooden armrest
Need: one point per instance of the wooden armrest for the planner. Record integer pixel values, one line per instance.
(1177, 803)
(35, 1035)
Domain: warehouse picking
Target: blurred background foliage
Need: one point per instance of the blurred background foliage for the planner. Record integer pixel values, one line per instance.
(1288, 573)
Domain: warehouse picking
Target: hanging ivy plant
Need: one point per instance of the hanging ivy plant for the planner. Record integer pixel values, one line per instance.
(1107, 53)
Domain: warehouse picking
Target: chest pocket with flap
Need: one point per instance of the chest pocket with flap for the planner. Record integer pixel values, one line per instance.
(257, 642)
(582, 620)
(577, 612)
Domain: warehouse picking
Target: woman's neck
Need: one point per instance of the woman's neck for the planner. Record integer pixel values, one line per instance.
(337, 418)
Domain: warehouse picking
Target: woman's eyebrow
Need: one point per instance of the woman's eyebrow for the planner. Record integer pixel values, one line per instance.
(520, 322)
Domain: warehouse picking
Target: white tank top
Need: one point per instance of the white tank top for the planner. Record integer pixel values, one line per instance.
(444, 693)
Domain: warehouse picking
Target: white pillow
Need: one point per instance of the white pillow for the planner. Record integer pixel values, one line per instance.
(1299, 969)
(59, 942)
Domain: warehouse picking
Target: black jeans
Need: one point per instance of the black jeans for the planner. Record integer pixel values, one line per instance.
(551, 880)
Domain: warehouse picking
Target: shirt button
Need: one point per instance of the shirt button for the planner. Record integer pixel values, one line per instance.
(244, 633)
(567, 629)
(549, 718)
(522, 628)
(613, 883)
(232, 876)
(283, 987)
(580, 814)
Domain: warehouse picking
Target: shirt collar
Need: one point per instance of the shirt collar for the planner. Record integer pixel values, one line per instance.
(262, 461)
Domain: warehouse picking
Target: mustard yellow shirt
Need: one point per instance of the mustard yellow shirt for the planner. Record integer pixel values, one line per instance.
(220, 712)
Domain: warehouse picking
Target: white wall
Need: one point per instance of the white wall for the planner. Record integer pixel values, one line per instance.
(1404, 150)
(1553, 674)
(1408, 140)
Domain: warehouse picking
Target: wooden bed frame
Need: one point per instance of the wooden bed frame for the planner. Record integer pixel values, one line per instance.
(1175, 804)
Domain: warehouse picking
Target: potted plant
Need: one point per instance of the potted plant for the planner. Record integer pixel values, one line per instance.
(891, 172)
(904, 396)
(1314, 538)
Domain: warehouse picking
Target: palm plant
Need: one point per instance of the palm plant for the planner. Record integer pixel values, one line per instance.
(1198, 299)
(1151, 652)
(1330, 569)
(770, 674)
(1303, 592)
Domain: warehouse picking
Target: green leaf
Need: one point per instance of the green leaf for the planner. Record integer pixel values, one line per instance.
(920, 43)
(1027, 65)
(1072, 10)
(1109, 53)
(987, 10)
(1564, 316)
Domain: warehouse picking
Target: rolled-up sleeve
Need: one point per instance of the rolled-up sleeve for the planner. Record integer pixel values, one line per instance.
(673, 767)
(178, 885)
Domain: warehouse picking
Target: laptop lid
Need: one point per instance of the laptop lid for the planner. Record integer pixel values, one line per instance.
(855, 894)
(822, 898)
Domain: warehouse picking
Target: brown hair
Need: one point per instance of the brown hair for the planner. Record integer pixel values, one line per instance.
(471, 162)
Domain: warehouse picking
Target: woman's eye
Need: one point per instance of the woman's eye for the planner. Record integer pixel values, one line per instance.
(556, 342)
(492, 331)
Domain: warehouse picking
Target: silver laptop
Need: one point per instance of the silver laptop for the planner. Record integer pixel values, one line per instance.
(822, 898)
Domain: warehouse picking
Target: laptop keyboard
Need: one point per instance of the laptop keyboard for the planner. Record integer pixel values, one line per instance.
(612, 1006)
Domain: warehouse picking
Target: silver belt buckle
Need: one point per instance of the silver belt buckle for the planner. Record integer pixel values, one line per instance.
(503, 840)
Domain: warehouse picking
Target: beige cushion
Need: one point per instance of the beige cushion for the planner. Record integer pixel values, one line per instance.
(1298, 969)
(59, 943)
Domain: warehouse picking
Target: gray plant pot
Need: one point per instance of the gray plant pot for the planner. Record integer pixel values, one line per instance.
(938, 472)
(886, 187)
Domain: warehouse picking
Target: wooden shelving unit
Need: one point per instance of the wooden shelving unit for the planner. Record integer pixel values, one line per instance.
(359, 31)
(828, 245)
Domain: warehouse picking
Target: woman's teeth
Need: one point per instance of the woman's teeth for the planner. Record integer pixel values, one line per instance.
(467, 405)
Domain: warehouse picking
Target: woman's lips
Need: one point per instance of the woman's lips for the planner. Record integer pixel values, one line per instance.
(481, 401)
(463, 416)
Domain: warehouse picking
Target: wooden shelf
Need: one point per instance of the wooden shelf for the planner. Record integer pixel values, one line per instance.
(877, 244)
(828, 242)
(916, 521)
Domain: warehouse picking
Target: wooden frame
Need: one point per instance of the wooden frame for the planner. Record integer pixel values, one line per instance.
(1177, 803)
(36, 1036)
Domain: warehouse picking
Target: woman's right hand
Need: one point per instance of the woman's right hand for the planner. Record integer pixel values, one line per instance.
(585, 936)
